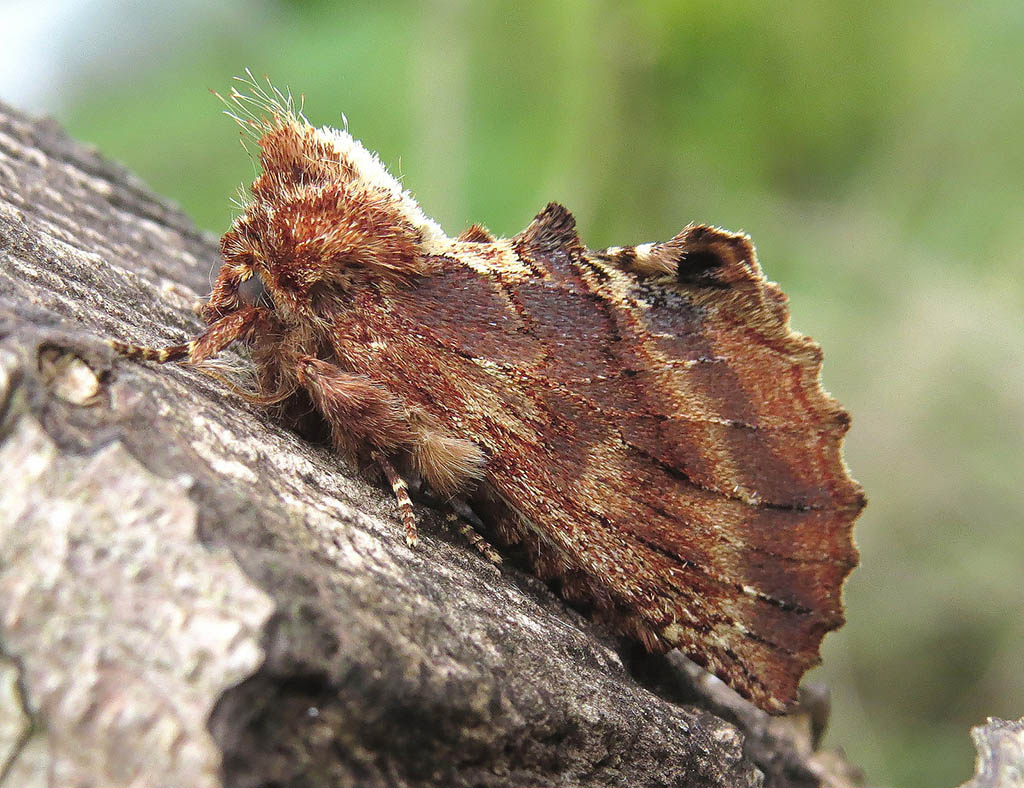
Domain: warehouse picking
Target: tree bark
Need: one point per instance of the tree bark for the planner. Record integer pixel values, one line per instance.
(1000, 762)
(192, 595)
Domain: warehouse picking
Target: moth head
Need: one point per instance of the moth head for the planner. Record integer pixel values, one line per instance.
(324, 218)
(308, 241)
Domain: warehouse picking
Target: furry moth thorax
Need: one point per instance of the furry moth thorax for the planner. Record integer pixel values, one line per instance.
(324, 216)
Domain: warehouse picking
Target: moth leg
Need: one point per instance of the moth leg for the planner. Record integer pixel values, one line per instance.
(465, 527)
(459, 515)
(401, 491)
(214, 339)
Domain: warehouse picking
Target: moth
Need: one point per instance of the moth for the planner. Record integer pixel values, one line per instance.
(641, 419)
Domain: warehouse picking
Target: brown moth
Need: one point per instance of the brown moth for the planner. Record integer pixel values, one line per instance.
(640, 418)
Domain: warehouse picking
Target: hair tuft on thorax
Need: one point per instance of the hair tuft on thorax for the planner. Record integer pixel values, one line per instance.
(295, 155)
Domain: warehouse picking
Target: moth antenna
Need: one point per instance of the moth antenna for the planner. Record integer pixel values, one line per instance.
(146, 353)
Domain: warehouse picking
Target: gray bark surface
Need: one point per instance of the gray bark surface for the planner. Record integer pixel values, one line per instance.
(1000, 746)
(192, 595)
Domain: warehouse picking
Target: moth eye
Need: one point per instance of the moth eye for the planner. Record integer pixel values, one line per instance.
(253, 292)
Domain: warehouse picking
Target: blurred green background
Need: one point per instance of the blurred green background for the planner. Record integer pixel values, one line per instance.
(872, 149)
